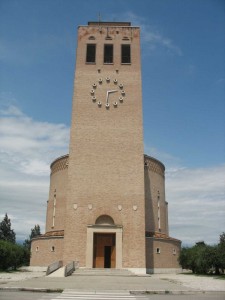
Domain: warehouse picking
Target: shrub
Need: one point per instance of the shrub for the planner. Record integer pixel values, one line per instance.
(12, 255)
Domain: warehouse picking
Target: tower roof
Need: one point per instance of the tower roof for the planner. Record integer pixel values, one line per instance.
(114, 24)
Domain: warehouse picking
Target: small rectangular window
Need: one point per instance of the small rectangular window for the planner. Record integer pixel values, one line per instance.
(91, 53)
(108, 54)
(125, 55)
(158, 250)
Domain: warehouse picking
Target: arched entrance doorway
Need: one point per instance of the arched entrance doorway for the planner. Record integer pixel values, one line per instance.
(104, 255)
(104, 244)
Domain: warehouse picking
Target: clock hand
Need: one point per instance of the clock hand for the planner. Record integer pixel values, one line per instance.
(107, 95)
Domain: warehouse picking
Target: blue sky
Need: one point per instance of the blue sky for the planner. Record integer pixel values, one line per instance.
(183, 74)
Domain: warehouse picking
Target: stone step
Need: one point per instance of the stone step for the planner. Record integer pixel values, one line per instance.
(102, 272)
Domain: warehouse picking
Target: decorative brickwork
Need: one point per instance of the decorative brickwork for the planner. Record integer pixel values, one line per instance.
(154, 165)
(159, 235)
(60, 163)
(59, 233)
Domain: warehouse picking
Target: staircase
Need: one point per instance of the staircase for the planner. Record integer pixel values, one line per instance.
(102, 272)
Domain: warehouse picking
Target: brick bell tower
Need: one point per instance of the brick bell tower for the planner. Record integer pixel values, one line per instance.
(105, 205)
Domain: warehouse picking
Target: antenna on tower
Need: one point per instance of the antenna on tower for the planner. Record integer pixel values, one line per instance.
(99, 21)
(99, 17)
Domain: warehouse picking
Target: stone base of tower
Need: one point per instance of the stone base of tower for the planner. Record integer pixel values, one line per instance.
(108, 236)
(162, 252)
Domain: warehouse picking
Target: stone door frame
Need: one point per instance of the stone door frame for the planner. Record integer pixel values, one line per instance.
(91, 229)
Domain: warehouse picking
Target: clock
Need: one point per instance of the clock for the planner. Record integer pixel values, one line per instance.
(107, 92)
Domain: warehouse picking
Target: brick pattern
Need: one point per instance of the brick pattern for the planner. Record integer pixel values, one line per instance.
(60, 164)
(45, 251)
(155, 202)
(105, 172)
(52, 234)
(106, 146)
(166, 256)
(154, 165)
(56, 204)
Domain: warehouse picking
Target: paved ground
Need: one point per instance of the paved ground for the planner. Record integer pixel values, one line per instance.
(20, 295)
(201, 283)
(160, 283)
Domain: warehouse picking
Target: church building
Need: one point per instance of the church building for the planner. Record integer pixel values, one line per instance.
(106, 205)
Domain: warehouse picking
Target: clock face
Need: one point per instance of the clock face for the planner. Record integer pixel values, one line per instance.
(107, 92)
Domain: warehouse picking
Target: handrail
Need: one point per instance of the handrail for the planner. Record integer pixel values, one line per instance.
(69, 268)
(53, 267)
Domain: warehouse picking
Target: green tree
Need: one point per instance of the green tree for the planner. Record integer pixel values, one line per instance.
(222, 238)
(6, 233)
(208, 260)
(204, 259)
(36, 231)
(221, 252)
(11, 255)
(185, 258)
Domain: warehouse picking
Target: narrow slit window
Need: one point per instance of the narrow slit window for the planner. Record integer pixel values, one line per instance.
(125, 55)
(53, 213)
(159, 222)
(108, 54)
(91, 53)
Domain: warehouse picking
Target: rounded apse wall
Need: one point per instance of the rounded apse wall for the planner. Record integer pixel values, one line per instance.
(156, 213)
(56, 204)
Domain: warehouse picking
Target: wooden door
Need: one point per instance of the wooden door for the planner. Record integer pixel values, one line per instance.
(104, 250)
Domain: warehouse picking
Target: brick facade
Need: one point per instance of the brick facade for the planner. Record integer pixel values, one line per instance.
(105, 174)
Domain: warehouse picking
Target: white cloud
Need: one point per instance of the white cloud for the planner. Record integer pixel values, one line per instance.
(156, 39)
(196, 198)
(166, 158)
(150, 36)
(28, 144)
(27, 147)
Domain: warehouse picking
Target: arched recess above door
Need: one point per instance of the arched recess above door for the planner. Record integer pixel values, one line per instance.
(104, 220)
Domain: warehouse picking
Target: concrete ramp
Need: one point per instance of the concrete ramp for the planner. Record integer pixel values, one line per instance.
(63, 271)
(58, 273)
